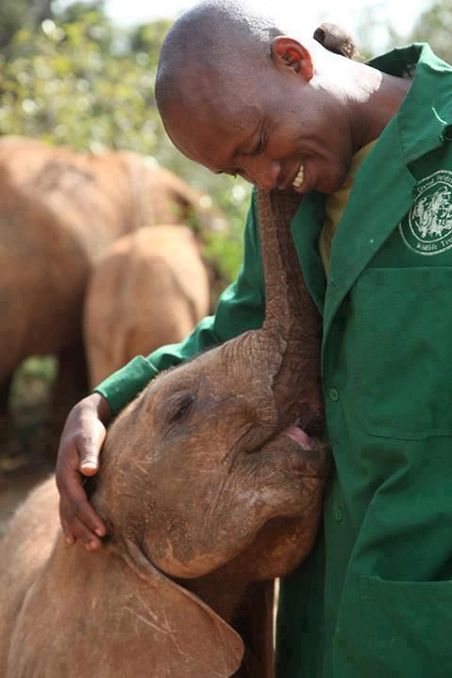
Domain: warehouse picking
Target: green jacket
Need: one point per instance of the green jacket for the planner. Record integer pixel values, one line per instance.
(374, 599)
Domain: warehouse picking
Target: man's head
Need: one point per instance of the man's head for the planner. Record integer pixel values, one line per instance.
(238, 95)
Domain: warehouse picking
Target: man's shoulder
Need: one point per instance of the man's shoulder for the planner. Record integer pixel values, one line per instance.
(404, 61)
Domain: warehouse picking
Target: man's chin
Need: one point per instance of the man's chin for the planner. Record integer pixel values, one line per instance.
(330, 184)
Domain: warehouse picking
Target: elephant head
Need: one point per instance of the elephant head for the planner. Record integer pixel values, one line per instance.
(215, 450)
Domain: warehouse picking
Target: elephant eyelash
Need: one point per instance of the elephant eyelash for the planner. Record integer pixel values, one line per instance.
(181, 409)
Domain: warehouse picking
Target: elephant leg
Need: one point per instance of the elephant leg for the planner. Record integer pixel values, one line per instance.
(254, 622)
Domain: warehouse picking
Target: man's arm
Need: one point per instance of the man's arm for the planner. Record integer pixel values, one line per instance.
(240, 308)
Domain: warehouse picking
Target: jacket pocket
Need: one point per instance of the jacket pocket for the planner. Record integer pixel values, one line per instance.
(406, 628)
(398, 351)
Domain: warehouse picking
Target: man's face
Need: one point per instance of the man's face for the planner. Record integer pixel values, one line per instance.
(267, 124)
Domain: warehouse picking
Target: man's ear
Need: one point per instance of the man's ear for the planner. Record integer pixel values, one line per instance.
(288, 53)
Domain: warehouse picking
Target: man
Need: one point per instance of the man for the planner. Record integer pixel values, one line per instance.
(368, 148)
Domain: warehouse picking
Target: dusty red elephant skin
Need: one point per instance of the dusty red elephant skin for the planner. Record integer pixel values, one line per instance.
(207, 498)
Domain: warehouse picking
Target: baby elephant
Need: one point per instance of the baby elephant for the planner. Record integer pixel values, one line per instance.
(149, 289)
(211, 486)
(184, 572)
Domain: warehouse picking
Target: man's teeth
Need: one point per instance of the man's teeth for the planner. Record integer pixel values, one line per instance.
(299, 178)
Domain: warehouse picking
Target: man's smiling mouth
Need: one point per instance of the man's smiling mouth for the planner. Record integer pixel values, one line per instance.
(299, 178)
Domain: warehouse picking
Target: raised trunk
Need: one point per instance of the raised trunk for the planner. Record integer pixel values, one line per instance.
(291, 315)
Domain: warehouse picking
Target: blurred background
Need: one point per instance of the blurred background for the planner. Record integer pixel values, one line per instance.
(81, 74)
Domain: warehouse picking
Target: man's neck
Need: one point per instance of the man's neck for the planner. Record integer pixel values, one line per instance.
(375, 103)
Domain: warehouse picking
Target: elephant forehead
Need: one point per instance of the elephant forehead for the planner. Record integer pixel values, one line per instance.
(205, 394)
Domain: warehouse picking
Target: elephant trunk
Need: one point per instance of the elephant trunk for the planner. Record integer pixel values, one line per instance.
(291, 316)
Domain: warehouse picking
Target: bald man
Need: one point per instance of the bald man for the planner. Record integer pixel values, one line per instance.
(368, 148)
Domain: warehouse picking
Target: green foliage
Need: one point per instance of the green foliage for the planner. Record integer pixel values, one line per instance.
(81, 81)
(15, 14)
(148, 38)
(11, 15)
(435, 27)
(32, 383)
(78, 11)
(66, 85)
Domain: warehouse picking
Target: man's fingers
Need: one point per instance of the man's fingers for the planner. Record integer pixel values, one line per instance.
(90, 541)
(82, 524)
(68, 535)
(84, 513)
(78, 455)
(76, 505)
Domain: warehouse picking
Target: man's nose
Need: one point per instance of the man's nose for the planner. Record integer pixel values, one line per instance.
(264, 174)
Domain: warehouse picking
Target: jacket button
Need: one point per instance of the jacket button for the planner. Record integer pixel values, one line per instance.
(338, 514)
(334, 394)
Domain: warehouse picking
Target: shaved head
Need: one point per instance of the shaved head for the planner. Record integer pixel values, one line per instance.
(215, 36)
(222, 35)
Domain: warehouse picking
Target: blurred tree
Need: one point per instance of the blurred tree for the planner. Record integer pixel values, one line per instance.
(435, 27)
(98, 27)
(14, 14)
(148, 38)
(373, 33)
(76, 11)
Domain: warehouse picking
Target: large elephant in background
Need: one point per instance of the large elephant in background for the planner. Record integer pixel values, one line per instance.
(59, 210)
(211, 486)
(149, 289)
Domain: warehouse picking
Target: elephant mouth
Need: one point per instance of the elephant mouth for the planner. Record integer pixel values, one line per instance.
(301, 437)
(315, 451)
(308, 429)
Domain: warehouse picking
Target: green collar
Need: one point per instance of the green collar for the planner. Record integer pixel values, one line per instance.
(419, 112)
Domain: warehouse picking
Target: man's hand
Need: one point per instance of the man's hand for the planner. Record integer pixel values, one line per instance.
(78, 453)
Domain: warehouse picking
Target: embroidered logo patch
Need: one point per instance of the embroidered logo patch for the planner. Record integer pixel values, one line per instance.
(427, 229)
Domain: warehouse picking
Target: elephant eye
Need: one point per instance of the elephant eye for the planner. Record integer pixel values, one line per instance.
(181, 408)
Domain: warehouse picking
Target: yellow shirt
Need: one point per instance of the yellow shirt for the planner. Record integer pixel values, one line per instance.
(335, 205)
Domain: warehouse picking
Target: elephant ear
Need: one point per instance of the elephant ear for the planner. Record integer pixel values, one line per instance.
(190, 639)
(112, 616)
